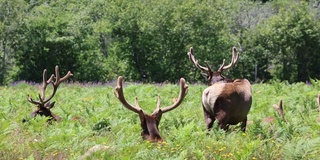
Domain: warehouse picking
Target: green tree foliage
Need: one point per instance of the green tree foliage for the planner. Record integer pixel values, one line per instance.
(148, 40)
(57, 33)
(11, 12)
(287, 44)
(154, 37)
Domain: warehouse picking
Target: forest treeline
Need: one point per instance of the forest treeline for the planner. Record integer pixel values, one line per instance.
(148, 41)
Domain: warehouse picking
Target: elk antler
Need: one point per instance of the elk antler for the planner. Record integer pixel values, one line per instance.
(234, 59)
(119, 94)
(149, 123)
(279, 108)
(182, 94)
(55, 84)
(196, 63)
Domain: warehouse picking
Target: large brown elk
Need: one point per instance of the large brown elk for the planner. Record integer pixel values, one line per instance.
(43, 103)
(225, 100)
(150, 123)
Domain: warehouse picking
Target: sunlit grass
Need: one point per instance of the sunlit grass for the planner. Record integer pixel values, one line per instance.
(92, 116)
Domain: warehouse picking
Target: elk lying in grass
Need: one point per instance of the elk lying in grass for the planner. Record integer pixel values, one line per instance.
(43, 103)
(280, 111)
(150, 123)
(270, 120)
(225, 100)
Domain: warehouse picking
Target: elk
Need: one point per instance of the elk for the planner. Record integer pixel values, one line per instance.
(280, 111)
(225, 100)
(150, 123)
(43, 103)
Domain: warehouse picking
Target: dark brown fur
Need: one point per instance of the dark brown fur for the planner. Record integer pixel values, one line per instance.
(228, 103)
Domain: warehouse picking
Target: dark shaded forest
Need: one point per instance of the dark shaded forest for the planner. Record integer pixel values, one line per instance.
(148, 41)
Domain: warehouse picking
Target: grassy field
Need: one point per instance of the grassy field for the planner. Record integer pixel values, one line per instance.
(96, 126)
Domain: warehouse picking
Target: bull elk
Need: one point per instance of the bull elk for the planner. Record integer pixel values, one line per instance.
(225, 100)
(43, 103)
(150, 123)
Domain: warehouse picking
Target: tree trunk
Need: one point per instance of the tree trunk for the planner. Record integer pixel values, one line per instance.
(103, 45)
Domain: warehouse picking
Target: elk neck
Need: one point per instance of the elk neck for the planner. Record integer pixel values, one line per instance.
(150, 130)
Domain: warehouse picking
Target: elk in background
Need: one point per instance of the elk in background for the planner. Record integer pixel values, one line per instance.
(43, 103)
(150, 123)
(280, 111)
(270, 120)
(225, 100)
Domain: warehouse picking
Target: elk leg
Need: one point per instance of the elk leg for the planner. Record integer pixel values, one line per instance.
(222, 119)
(244, 125)
(223, 126)
(221, 115)
(208, 119)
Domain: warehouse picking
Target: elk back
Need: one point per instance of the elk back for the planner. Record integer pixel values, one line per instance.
(229, 103)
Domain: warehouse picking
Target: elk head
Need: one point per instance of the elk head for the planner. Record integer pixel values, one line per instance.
(150, 123)
(217, 76)
(43, 103)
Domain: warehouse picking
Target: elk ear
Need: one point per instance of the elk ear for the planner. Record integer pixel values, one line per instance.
(50, 105)
(205, 75)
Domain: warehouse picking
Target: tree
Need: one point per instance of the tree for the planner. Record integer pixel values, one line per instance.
(154, 37)
(58, 33)
(289, 41)
(11, 13)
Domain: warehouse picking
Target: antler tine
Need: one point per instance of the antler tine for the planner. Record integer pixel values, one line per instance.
(33, 101)
(195, 62)
(57, 82)
(158, 103)
(43, 88)
(119, 94)
(158, 106)
(182, 94)
(58, 79)
(222, 65)
(45, 83)
(234, 59)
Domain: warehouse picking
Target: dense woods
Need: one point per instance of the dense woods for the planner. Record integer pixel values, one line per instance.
(148, 41)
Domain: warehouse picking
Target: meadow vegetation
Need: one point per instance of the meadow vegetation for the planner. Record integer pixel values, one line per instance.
(93, 117)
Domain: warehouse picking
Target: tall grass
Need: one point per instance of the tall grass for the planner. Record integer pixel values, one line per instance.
(93, 117)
